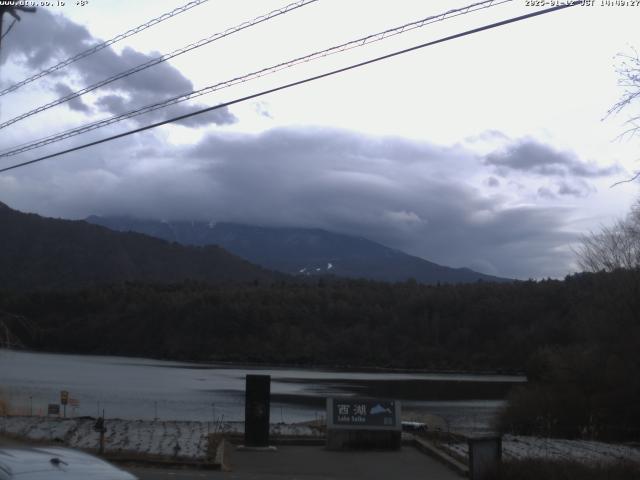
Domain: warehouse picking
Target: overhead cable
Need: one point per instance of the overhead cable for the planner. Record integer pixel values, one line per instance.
(8, 30)
(161, 59)
(253, 75)
(293, 84)
(103, 45)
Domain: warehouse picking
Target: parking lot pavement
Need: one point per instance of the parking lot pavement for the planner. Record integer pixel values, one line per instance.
(169, 474)
(315, 463)
(9, 442)
(308, 463)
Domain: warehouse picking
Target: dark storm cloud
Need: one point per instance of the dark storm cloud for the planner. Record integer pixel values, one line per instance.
(405, 194)
(59, 38)
(531, 156)
(75, 103)
(544, 192)
(492, 182)
(577, 188)
(116, 104)
(161, 79)
(219, 116)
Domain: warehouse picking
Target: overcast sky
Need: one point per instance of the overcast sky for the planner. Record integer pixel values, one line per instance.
(488, 151)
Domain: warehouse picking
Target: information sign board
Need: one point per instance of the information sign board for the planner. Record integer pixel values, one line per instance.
(363, 413)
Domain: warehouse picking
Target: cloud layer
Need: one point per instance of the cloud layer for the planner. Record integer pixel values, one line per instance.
(410, 195)
(534, 157)
(565, 173)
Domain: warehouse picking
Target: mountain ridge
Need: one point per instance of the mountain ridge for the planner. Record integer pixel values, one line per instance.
(40, 252)
(301, 251)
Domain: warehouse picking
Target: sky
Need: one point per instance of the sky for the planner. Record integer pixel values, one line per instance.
(493, 151)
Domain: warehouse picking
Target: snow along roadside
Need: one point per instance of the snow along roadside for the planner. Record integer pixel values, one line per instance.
(159, 438)
(583, 451)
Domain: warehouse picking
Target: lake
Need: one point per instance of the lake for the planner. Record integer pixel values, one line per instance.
(138, 388)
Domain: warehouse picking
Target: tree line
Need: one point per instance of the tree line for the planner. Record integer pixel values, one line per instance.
(575, 338)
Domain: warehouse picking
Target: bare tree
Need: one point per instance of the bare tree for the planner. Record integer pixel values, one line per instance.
(10, 324)
(613, 247)
(618, 246)
(628, 70)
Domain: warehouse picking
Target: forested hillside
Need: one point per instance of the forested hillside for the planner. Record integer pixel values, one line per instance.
(477, 326)
(577, 339)
(38, 252)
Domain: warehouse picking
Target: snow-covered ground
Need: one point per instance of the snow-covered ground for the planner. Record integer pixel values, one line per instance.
(161, 438)
(520, 447)
(135, 436)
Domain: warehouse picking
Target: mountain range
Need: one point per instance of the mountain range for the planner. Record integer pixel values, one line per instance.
(300, 251)
(39, 252)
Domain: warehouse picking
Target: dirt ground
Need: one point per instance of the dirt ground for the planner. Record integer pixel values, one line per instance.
(316, 463)
(304, 462)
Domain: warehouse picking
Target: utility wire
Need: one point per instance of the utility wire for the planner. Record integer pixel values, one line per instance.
(163, 58)
(103, 45)
(296, 83)
(253, 75)
(12, 8)
(8, 29)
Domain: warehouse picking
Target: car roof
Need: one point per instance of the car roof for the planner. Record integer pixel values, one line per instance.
(55, 463)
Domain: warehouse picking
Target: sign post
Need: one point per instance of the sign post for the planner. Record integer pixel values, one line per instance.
(101, 429)
(363, 423)
(64, 398)
(53, 409)
(256, 411)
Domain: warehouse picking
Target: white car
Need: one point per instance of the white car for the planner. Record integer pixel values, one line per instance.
(55, 463)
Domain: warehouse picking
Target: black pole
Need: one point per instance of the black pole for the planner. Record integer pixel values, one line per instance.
(102, 430)
(13, 11)
(256, 410)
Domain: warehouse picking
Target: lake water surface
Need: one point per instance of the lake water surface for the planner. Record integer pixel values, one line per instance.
(136, 388)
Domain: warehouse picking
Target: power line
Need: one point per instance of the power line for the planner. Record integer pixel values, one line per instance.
(163, 58)
(12, 9)
(8, 29)
(296, 83)
(100, 46)
(253, 75)
(158, 60)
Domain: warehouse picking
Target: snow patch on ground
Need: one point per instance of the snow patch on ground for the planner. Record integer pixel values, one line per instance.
(520, 447)
(190, 439)
(167, 438)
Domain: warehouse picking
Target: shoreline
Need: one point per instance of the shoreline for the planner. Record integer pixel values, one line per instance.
(517, 376)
